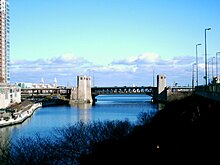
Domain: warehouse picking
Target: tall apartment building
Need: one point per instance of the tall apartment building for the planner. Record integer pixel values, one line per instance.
(9, 94)
(4, 41)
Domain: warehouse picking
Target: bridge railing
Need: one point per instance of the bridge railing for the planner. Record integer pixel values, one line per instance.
(122, 90)
(214, 88)
(180, 89)
(37, 91)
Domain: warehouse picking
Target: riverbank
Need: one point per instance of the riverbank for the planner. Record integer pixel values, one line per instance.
(184, 132)
(18, 113)
(173, 96)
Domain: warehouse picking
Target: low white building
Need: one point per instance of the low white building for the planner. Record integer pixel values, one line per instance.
(41, 84)
(24, 84)
(9, 95)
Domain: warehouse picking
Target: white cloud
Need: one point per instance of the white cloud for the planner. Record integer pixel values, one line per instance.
(116, 68)
(149, 57)
(132, 70)
(145, 58)
(64, 67)
(183, 60)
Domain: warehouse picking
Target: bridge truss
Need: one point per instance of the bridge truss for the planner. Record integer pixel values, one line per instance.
(148, 90)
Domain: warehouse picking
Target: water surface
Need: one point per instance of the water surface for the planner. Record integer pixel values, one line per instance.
(108, 107)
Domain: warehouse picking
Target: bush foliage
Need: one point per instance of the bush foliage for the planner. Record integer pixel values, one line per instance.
(65, 146)
(185, 132)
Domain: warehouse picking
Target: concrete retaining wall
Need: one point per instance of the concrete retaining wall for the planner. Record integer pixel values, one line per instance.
(209, 95)
(211, 91)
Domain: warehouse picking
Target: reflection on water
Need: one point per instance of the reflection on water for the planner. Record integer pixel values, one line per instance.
(84, 112)
(116, 107)
(6, 132)
(5, 136)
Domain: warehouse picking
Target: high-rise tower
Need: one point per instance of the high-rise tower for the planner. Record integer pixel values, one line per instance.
(9, 94)
(4, 41)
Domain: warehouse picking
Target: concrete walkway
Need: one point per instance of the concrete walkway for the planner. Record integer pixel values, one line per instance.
(21, 112)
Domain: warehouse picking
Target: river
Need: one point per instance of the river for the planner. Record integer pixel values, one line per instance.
(107, 107)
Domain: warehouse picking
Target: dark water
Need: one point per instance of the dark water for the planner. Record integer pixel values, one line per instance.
(111, 107)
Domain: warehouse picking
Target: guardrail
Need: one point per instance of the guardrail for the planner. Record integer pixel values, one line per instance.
(213, 88)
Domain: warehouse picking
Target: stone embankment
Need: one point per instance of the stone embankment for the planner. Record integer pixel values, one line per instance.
(18, 113)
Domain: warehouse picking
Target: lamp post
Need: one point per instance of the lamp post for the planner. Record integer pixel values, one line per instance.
(217, 64)
(197, 72)
(193, 70)
(208, 70)
(206, 76)
(212, 66)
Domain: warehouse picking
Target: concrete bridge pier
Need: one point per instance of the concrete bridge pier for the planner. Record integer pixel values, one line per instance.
(82, 93)
(160, 94)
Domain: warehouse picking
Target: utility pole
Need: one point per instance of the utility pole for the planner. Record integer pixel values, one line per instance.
(206, 71)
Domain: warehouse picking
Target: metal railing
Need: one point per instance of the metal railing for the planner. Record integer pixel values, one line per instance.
(214, 88)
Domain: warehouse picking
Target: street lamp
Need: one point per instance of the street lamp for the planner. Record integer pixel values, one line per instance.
(206, 76)
(217, 64)
(197, 74)
(212, 66)
(193, 70)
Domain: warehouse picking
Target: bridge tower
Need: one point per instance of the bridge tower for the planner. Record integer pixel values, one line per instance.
(82, 94)
(161, 88)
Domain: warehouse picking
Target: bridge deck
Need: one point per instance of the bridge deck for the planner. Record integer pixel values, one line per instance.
(123, 90)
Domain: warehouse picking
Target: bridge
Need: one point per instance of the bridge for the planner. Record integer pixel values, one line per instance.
(85, 93)
(211, 91)
(43, 92)
(148, 90)
(95, 91)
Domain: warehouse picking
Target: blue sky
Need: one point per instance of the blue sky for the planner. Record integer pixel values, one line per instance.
(118, 42)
